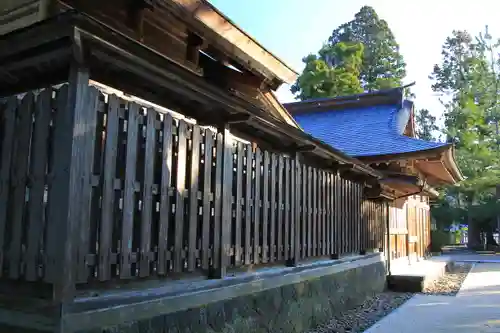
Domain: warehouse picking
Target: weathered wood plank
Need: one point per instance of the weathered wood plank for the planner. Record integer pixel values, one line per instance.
(280, 222)
(286, 222)
(336, 208)
(72, 120)
(265, 208)
(326, 242)
(217, 203)
(257, 207)
(178, 264)
(86, 231)
(248, 204)
(43, 115)
(108, 195)
(207, 194)
(295, 210)
(129, 195)
(323, 212)
(7, 136)
(147, 194)
(315, 212)
(19, 181)
(309, 212)
(332, 214)
(193, 197)
(304, 211)
(272, 235)
(223, 251)
(240, 153)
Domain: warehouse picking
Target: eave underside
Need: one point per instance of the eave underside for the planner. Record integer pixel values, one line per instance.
(436, 166)
(43, 53)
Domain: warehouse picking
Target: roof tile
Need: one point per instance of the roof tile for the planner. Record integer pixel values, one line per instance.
(367, 131)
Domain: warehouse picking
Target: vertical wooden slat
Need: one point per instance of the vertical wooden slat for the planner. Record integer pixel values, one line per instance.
(207, 192)
(319, 221)
(295, 209)
(257, 207)
(165, 200)
(248, 204)
(7, 135)
(355, 216)
(193, 197)
(129, 190)
(108, 197)
(287, 209)
(147, 194)
(217, 184)
(239, 204)
(309, 212)
(272, 236)
(342, 228)
(359, 219)
(43, 113)
(279, 224)
(226, 179)
(57, 187)
(180, 195)
(315, 212)
(19, 181)
(350, 213)
(322, 200)
(328, 213)
(336, 216)
(73, 122)
(332, 220)
(91, 138)
(345, 209)
(303, 203)
(265, 208)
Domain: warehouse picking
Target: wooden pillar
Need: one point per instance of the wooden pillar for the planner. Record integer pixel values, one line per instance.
(388, 237)
(74, 124)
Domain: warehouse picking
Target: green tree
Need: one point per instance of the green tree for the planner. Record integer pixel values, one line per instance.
(426, 125)
(381, 65)
(467, 77)
(320, 79)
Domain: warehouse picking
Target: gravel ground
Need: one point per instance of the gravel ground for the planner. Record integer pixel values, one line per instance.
(450, 284)
(375, 308)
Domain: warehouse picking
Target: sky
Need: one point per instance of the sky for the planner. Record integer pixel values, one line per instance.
(291, 29)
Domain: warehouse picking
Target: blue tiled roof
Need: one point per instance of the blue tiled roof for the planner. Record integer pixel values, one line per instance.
(364, 131)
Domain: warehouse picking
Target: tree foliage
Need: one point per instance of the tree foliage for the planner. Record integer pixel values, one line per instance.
(319, 79)
(360, 55)
(468, 79)
(426, 125)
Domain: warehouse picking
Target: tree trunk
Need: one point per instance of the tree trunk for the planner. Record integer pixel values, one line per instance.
(474, 234)
(490, 241)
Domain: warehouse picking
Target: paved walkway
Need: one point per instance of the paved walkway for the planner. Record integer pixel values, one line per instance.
(475, 309)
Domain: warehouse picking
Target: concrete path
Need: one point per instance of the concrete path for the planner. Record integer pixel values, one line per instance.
(475, 309)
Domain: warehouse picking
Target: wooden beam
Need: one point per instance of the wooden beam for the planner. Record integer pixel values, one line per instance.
(305, 149)
(232, 119)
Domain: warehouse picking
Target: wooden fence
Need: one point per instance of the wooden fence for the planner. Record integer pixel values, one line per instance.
(158, 196)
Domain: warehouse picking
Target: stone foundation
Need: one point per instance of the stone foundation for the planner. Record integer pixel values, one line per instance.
(290, 300)
(291, 308)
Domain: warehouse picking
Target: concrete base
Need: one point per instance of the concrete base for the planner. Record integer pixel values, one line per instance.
(415, 277)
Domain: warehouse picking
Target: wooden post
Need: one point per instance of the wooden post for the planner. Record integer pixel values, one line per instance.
(388, 238)
(74, 124)
(225, 176)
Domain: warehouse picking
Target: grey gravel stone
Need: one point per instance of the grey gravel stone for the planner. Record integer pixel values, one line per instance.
(375, 308)
(450, 284)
